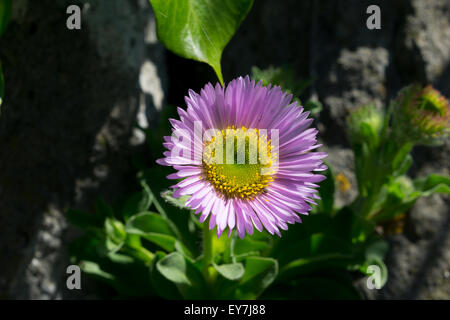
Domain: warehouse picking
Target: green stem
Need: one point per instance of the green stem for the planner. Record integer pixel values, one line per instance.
(140, 253)
(207, 250)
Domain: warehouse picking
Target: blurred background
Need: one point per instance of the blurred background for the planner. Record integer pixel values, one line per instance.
(73, 98)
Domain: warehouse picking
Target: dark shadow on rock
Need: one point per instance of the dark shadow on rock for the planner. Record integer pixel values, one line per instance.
(64, 137)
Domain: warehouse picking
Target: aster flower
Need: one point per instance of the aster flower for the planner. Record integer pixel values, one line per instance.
(422, 114)
(243, 154)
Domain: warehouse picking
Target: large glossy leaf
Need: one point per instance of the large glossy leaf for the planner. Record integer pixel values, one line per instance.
(199, 29)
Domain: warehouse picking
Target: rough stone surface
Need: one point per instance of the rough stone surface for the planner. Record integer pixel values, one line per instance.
(67, 126)
(341, 161)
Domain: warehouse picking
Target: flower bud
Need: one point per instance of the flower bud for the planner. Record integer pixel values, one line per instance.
(421, 115)
(364, 124)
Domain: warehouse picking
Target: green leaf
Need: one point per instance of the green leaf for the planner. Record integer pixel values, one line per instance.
(177, 202)
(137, 203)
(179, 220)
(402, 193)
(404, 166)
(103, 208)
(5, 14)
(152, 227)
(115, 233)
(402, 160)
(313, 106)
(147, 222)
(318, 252)
(173, 267)
(259, 274)
(162, 240)
(434, 183)
(199, 29)
(231, 271)
(326, 192)
(95, 270)
(377, 249)
(181, 248)
(164, 287)
(188, 279)
(127, 279)
(84, 248)
(284, 77)
(247, 245)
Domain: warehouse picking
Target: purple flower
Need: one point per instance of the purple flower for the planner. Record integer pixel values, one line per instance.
(242, 153)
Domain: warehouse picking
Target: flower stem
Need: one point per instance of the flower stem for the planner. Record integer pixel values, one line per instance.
(207, 250)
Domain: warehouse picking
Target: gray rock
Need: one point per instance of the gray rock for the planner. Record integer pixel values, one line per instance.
(423, 44)
(341, 160)
(68, 125)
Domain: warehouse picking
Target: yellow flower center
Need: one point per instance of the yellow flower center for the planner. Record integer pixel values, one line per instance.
(238, 162)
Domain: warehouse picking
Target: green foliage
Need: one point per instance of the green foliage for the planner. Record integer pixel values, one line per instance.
(382, 160)
(199, 29)
(5, 14)
(285, 77)
(151, 245)
(401, 193)
(230, 271)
